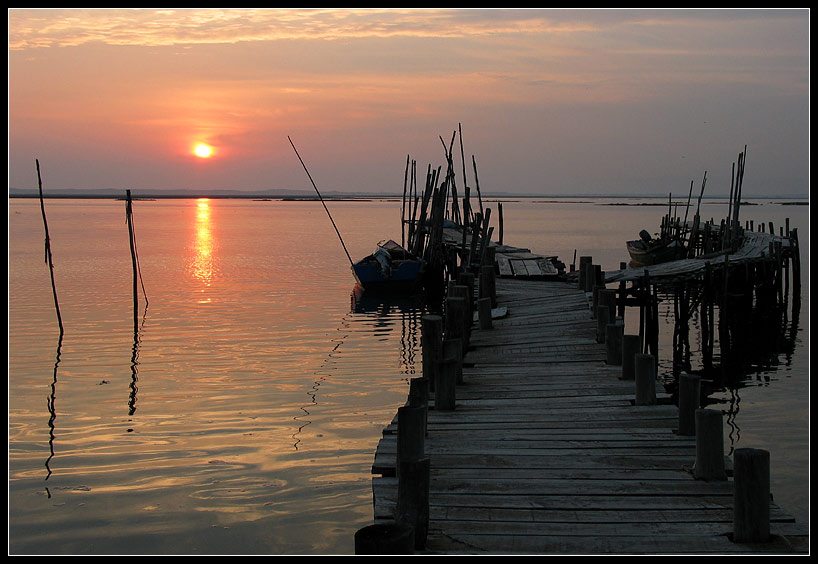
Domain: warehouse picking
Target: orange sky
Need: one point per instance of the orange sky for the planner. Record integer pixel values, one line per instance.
(551, 101)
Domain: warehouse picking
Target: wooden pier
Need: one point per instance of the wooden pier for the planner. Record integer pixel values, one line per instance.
(547, 451)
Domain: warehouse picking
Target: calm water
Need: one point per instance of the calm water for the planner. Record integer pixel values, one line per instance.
(242, 415)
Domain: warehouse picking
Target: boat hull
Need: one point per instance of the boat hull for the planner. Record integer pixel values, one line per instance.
(646, 255)
(403, 277)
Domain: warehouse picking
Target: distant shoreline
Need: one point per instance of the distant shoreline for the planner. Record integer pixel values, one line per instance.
(782, 200)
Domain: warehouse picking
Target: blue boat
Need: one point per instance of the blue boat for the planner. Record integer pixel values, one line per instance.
(391, 269)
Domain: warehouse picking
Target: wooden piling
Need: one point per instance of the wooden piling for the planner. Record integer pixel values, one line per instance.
(689, 399)
(411, 433)
(445, 384)
(484, 313)
(584, 261)
(645, 376)
(385, 538)
(453, 348)
(413, 498)
(455, 315)
(419, 397)
(630, 348)
(431, 345)
(751, 498)
(709, 465)
(602, 320)
(488, 284)
(614, 333)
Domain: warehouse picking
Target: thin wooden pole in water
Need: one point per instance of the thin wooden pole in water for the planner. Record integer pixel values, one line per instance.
(48, 258)
(321, 198)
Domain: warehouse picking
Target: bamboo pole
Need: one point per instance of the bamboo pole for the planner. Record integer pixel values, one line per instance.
(48, 257)
(403, 206)
(326, 209)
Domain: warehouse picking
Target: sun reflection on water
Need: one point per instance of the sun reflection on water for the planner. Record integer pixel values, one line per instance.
(204, 247)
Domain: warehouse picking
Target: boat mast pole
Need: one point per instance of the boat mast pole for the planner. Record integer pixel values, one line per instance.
(322, 200)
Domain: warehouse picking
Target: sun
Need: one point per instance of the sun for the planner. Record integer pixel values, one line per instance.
(203, 150)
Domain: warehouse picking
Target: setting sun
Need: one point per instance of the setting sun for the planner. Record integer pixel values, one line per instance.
(202, 150)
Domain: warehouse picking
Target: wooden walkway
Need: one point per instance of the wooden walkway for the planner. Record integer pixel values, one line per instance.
(546, 452)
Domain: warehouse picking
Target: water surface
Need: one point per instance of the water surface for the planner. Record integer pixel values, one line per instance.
(239, 410)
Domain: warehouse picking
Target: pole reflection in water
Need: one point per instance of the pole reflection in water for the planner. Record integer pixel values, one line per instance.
(52, 411)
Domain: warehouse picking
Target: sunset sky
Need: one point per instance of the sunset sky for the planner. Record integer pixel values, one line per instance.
(550, 101)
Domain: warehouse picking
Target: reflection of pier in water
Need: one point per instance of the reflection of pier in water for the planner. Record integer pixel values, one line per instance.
(379, 315)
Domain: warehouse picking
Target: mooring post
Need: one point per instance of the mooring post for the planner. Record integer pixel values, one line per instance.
(594, 300)
(446, 384)
(689, 399)
(487, 287)
(709, 464)
(455, 314)
(466, 278)
(484, 313)
(602, 320)
(590, 277)
(751, 495)
(419, 397)
(584, 261)
(466, 313)
(413, 498)
(608, 298)
(411, 434)
(391, 537)
(614, 332)
(453, 348)
(645, 376)
(631, 346)
(431, 327)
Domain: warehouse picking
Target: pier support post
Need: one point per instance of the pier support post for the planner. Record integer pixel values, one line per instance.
(602, 320)
(584, 261)
(751, 495)
(467, 279)
(413, 498)
(419, 397)
(689, 398)
(432, 345)
(709, 464)
(645, 375)
(453, 348)
(487, 287)
(455, 314)
(631, 346)
(614, 333)
(484, 313)
(411, 434)
(446, 384)
(462, 310)
(590, 277)
(385, 538)
(607, 298)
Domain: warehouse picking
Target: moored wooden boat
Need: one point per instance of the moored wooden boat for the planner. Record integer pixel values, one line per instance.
(647, 251)
(390, 269)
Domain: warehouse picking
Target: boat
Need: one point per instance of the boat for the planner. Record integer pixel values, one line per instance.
(646, 251)
(390, 269)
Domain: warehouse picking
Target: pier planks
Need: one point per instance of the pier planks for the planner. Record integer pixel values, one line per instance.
(545, 452)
